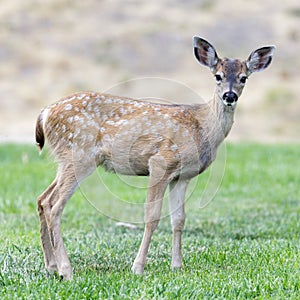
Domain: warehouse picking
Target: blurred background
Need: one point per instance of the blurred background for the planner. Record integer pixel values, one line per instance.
(52, 48)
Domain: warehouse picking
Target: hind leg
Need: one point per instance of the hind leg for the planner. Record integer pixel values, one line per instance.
(69, 176)
(49, 258)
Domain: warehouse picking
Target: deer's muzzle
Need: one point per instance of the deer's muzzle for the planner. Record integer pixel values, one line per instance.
(230, 98)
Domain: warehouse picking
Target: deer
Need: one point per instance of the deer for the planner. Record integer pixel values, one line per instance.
(169, 143)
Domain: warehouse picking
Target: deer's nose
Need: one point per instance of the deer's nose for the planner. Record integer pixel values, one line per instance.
(230, 97)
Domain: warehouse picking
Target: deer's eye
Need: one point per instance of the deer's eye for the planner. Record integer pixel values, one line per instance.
(243, 79)
(218, 77)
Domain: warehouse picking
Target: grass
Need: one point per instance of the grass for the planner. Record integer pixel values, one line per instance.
(243, 245)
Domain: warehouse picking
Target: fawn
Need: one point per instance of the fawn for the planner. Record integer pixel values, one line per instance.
(169, 143)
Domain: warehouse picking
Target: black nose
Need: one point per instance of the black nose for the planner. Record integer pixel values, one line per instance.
(230, 97)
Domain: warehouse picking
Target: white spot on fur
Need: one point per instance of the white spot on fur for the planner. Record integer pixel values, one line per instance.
(68, 106)
(63, 128)
(90, 107)
(90, 137)
(122, 122)
(91, 123)
(130, 109)
(77, 132)
(110, 122)
(72, 98)
(185, 133)
(174, 147)
(70, 119)
(123, 111)
(138, 104)
(80, 97)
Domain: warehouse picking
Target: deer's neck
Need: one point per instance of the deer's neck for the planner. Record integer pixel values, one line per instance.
(218, 121)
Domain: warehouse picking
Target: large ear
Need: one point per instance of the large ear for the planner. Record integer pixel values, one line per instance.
(205, 53)
(260, 59)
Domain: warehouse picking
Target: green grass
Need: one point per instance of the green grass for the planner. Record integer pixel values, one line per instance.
(243, 245)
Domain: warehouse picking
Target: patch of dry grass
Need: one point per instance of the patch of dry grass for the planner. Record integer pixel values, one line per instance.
(52, 48)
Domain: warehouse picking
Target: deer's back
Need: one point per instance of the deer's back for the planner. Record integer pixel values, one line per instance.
(121, 134)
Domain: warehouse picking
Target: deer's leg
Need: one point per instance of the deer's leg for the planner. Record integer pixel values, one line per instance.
(157, 186)
(67, 185)
(69, 176)
(177, 191)
(49, 258)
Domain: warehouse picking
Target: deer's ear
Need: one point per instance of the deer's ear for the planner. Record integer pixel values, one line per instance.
(260, 59)
(205, 53)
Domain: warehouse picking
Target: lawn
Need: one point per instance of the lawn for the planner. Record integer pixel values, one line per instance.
(243, 245)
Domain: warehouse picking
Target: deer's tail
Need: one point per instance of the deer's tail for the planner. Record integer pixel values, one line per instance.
(39, 131)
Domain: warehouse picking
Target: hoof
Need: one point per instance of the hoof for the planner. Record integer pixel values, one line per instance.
(137, 269)
(176, 266)
(65, 273)
(65, 277)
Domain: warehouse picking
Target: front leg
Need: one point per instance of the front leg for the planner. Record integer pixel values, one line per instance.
(157, 185)
(177, 190)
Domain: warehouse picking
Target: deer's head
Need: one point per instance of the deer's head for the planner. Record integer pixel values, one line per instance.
(231, 74)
